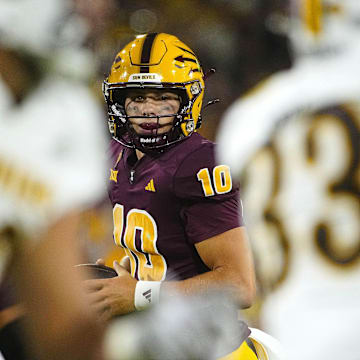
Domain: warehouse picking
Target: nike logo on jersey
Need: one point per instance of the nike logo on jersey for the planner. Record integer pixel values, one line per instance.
(113, 175)
(150, 186)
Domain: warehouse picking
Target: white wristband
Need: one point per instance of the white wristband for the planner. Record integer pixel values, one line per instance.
(147, 293)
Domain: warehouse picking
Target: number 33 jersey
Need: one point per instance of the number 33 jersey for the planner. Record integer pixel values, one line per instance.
(298, 137)
(163, 205)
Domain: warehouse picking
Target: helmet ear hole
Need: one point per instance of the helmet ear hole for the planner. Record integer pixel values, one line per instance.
(119, 96)
(183, 97)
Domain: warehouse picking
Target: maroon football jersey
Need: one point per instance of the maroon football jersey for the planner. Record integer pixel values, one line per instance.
(164, 204)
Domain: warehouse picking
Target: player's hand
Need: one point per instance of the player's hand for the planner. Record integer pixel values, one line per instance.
(124, 262)
(114, 296)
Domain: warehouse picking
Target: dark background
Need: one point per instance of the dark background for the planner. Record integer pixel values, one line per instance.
(242, 39)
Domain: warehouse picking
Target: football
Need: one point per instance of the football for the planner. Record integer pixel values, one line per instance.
(98, 271)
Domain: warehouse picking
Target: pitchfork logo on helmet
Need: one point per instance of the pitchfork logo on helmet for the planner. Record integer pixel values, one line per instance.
(155, 61)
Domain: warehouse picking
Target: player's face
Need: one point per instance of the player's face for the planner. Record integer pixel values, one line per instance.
(154, 103)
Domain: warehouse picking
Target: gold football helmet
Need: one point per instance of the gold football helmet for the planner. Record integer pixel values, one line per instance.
(155, 61)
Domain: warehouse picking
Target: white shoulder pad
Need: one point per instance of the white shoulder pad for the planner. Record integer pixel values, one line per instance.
(308, 86)
(267, 347)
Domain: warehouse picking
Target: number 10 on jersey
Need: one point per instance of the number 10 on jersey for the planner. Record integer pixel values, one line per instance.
(146, 262)
(221, 179)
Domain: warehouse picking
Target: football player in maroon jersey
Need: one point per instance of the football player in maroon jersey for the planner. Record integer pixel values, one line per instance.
(175, 210)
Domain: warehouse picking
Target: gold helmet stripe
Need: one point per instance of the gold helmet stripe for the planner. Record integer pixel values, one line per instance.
(146, 52)
(312, 14)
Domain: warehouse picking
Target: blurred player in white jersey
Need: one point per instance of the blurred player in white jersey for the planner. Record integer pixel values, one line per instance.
(295, 141)
(51, 169)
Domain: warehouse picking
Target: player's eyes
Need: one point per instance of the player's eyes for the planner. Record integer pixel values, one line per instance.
(138, 98)
(165, 97)
(169, 97)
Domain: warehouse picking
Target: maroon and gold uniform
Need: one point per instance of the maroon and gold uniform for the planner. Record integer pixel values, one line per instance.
(164, 204)
(167, 191)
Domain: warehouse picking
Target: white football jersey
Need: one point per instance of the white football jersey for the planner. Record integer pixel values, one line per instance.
(295, 143)
(52, 154)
